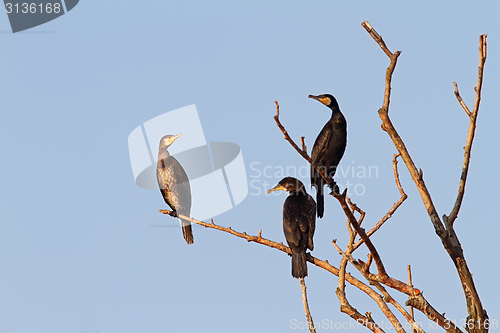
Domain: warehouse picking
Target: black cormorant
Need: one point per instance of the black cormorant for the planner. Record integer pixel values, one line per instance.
(174, 185)
(328, 148)
(299, 221)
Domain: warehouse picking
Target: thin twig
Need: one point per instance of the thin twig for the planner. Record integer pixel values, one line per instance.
(340, 292)
(303, 143)
(459, 98)
(411, 284)
(376, 37)
(362, 234)
(419, 302)
(472, 129)
(327, 178)
(388, 298)
(393, 208)
(310, 321)
(355, 207)
(343, 264)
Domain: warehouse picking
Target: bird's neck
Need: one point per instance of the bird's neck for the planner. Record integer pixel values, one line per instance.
(334, 111)
(297, 192)
(163, 154)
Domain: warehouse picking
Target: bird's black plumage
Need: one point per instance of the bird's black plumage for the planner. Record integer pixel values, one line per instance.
(328, 148)
(299, 222)
(174, 185)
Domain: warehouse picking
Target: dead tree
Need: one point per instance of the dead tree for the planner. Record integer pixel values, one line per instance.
(378, 284)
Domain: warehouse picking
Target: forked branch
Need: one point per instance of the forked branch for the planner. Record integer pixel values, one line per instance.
(472, 128)
(303, 151)
(477, 320)
(381, 278)
(393, 208)
(324, 264)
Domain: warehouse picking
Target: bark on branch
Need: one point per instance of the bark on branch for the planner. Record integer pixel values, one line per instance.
(477, 315)
(324, 264)
(372, 278)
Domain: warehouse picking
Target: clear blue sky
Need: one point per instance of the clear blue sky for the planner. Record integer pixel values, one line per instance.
(78, 252)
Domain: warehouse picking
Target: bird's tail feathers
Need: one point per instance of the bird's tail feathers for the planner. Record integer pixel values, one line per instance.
(320, 202)
(187, 231)
(299, 266)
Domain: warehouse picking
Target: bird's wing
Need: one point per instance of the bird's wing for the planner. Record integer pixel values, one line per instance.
(174, 185)
(321, 143)
(299, 222)
(180, 187)
(319, 149)
(161, 177)
(291, 227)
(310, 209)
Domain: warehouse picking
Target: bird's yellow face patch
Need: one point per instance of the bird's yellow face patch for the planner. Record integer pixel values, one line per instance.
(325, 100)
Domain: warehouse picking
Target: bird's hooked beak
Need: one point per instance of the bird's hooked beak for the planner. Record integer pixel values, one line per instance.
(172, 139)
(322, 99)
(277, 188)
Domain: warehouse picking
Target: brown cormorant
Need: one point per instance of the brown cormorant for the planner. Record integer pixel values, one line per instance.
(328, 148)
(299, 222)
(174, 185)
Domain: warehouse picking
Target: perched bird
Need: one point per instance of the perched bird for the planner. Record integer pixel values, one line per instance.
(174, 185)
(328, 148)
(299, 222)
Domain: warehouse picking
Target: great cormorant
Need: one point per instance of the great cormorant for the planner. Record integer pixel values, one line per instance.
(328, 148)
(299, 222)
(174, 185)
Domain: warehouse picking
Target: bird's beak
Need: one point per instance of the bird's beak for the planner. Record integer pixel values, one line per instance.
(323, 100)
(277, 188)
(172, 139)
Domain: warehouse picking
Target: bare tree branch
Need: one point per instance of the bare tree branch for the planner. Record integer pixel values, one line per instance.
(300, 151)
(310, 321)
(401, 309)
(353, 313)
(355, 207)
(279, 246)
(419, 302)
(416, 298)
(411, 284)
(303, 143)
(393, 208)
(362, 234)
(385, 279)
(340, 292)
(472, 128)
(477, 315)
(459, 98)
